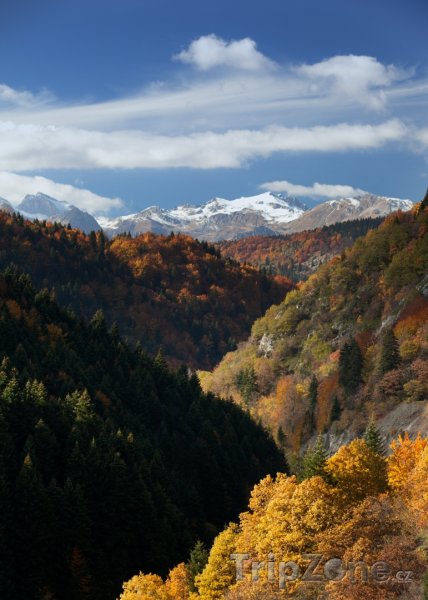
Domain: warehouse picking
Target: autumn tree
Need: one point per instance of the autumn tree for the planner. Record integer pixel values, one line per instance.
(220, 572)
(358, 471)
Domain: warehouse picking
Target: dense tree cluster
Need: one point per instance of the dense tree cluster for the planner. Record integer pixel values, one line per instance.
(109, 462)
(297, 255)
(171, 292)
(354, 510)
(350, 340)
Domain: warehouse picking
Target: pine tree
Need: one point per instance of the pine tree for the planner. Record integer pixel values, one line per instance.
(315, 460)
(281, 437)
(390, 354)
(246, 382)
(350, 366)
(335, 410)
(374, 439)
(313, 399)
(197, 560)
(424, 203)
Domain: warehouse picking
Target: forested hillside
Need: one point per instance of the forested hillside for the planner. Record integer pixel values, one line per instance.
(109, 462)
(349, 342)
(297, 255)
(171, 292)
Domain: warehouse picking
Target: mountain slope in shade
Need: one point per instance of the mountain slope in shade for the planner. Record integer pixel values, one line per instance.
(45, 208)
(348, 209)
(162, 291)
(215, 220)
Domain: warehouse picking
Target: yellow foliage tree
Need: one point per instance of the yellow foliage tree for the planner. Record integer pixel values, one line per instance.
(358, 471)
(405, 454)
(415, 491)
(144, 587)
(177, 585)
(220, 571)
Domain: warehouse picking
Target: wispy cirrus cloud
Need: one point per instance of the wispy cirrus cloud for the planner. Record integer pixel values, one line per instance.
(316, 190)
(23, 98)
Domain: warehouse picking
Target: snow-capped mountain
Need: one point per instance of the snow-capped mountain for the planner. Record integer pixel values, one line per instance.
(43, 207)
(348, 209)
(265, 214)
(217, 219)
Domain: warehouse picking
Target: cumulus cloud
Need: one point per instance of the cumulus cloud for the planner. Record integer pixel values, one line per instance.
(14, 187)
(210, 51)
(360, 77)
(317, 190)
(29, 147)
(12, 97)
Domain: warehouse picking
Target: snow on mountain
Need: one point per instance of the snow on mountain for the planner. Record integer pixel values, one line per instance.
(365, 206)
(218, 219)
(45, 208)
(270, 206)
(215, 220)
(41, 206)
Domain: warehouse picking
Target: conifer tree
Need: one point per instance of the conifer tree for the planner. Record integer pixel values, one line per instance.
(313, 398)
(315, 460)
(197, 560)
(424, 203)
(390, 354)
(335, 410)
(374, 439)
(350, 366)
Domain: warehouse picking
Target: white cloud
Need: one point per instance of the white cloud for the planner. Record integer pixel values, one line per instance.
(317, 190)
(14, 187)
(30, 148)
(210, 51)
(362, 78)
(10, 96)
(422, 136)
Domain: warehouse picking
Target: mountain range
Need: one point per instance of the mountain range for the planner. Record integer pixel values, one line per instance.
(45, 208)
(218, 219)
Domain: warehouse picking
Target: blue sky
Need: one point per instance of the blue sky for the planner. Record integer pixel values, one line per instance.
(115, 106)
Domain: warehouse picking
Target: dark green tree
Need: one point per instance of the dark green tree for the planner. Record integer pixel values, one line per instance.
(315, 460)
(335, 410)
(246, 383)
(313, 399)
(350, 366)
(197, 560)
(374, 439)
(390, 353)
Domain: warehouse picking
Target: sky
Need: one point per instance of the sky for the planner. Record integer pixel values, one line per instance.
(116, 106)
